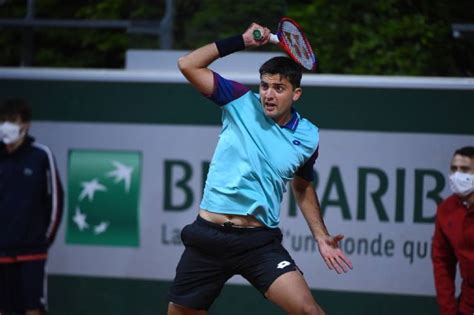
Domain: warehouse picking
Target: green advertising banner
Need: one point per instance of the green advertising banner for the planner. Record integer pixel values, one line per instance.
(103, 203)
(386, 143)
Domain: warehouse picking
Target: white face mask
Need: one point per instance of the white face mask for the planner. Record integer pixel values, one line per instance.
(10, 132)
(462, 184)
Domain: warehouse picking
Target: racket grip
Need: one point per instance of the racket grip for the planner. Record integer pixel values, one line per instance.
(257, 35)
(274, 39)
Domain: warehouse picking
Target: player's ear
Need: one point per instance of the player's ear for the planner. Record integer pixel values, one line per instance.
(297, 94)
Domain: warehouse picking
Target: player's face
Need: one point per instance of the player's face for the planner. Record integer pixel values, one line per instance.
(277, 96)
(462, 164)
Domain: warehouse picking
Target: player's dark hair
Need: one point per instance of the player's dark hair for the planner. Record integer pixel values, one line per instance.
(13, 108)
(465, 151)
(285, 67)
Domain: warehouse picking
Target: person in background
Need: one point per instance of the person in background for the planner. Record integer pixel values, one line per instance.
(31, 203)
(453, 240)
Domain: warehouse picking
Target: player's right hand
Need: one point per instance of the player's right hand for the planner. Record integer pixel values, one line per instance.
(249, 39)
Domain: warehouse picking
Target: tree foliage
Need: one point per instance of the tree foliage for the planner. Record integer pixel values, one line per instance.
(220, 19)
(389, 37)
(380, 36)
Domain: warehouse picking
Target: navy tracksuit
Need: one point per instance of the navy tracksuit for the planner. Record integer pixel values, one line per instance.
(31, 202)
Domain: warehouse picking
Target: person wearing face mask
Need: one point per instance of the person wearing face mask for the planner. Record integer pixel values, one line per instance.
(31, 203)
(453, 240)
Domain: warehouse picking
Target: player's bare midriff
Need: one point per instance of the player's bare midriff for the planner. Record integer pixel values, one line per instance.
(248, 221)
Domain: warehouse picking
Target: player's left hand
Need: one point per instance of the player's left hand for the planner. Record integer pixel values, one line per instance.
(333, 255)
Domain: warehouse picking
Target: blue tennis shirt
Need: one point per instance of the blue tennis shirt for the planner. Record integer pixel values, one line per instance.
(255, 157)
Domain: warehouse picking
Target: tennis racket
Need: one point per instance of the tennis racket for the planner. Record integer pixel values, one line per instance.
(291, 38)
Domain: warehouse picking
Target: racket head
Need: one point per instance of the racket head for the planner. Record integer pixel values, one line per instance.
(295, 43)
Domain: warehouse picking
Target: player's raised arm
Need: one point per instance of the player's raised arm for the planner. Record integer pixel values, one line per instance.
(194, 65)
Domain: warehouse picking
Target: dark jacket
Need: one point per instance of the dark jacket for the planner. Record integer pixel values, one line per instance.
(31, 202)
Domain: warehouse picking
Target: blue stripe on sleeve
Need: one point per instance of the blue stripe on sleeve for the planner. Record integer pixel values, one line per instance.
(225, 91)
(306, 171)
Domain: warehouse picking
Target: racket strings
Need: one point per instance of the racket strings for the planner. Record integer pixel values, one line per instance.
(297, 44)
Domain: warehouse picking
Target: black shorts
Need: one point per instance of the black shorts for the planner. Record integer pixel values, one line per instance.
(214, 253)
(22, 286)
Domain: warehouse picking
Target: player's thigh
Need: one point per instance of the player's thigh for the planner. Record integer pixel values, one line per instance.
(174, 309)
(291, 292)
(199, 280)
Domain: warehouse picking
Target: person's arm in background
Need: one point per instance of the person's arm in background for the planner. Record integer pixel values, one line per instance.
(444, 268)
(194, 65)
(54, 198)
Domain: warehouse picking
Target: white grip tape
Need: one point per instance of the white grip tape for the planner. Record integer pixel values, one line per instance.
(274, 39)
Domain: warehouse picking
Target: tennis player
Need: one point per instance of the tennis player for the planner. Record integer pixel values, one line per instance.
(264, 143)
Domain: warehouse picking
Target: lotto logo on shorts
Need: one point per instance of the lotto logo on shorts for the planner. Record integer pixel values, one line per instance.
(103, 198)
(283, 264)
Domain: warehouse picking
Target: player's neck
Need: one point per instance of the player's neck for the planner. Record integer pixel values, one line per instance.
(284, 119)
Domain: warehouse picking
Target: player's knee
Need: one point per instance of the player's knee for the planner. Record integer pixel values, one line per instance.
(311, 308)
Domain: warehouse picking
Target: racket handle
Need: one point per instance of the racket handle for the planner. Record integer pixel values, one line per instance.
(274, 39)
(257, 35)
